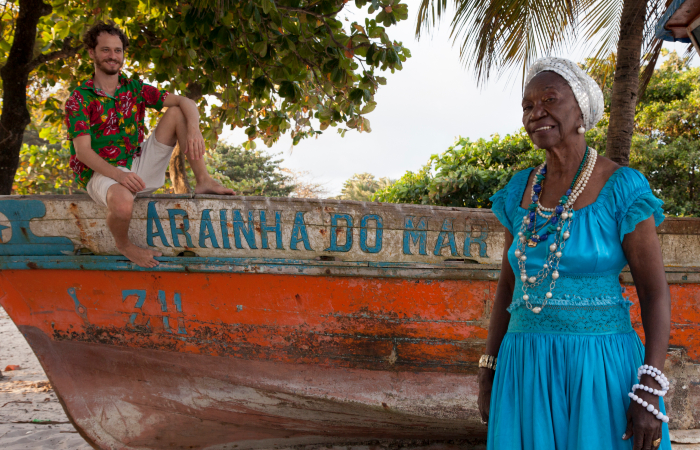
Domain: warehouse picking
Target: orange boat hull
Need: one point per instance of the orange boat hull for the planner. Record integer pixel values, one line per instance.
(280, 322)
(200, 360)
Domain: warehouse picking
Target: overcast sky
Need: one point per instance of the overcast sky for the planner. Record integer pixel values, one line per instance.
(420, 112)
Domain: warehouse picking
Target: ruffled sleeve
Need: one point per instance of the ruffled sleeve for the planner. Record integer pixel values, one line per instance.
(499, 208)
(634, 201)
(505, 202)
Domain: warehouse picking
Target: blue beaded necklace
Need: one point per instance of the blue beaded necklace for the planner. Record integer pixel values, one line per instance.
(557, 223)
(532, 237)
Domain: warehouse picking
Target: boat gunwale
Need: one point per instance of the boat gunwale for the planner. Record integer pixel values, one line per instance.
(372, 269)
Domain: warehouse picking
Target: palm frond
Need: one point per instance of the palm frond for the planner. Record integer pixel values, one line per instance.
(689, 53)
(501, 33)
(495, 35)
(429, 13)
(601, 25)
(652, 58)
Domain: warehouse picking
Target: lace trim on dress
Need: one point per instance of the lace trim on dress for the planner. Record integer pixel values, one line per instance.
(572, 319)
(574, 301)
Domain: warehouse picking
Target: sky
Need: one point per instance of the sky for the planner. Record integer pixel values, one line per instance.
(420, 112)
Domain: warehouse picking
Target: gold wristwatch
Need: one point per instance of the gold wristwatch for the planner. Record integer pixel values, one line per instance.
(488, 362)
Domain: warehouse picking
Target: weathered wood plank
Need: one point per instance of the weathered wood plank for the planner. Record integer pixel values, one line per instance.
(283, 228)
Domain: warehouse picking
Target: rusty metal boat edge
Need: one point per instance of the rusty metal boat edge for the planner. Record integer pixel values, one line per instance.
(280, 322)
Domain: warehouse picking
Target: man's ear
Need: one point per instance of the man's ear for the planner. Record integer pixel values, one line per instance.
(91, 52)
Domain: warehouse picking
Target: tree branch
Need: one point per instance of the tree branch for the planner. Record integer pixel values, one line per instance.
(65, 52)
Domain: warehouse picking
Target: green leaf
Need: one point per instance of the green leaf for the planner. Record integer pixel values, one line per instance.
(368, 108)
(260, 48)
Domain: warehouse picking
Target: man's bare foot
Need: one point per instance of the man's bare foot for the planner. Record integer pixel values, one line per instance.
(140, 256)
(211, 186)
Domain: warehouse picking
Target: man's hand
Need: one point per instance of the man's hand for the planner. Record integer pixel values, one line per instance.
(195, 143)
(131, 181)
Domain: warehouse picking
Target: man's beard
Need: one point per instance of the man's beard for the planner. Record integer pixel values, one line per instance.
(107, 69)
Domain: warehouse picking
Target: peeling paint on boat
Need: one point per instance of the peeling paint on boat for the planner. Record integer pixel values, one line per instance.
(370, 329)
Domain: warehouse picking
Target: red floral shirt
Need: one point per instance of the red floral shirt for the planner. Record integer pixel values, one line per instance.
(115, 124)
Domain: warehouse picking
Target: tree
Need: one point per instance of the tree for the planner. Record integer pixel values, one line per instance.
(665, 148)
(304, 185)
(251, 172)
(361, 187)
(43, 170)
(465, 175)
(272, 66)
(501, 33)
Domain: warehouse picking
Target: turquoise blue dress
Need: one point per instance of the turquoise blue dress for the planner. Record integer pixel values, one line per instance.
(563, 375)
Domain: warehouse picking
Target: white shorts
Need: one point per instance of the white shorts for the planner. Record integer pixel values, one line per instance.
(150, 166)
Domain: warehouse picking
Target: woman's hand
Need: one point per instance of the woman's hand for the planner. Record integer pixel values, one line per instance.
(641, 424)
(485, 385)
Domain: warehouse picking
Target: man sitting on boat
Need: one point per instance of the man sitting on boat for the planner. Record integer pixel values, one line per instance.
(109, 155)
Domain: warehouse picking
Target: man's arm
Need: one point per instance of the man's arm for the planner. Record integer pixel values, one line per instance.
(86, 155)
(194, 140)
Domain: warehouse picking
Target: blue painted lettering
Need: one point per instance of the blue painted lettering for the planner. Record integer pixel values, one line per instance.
(415, 233)
(162, 301)
(239, 227)
(277, 228)
(166, 324)
(152, 218)
(334, 233)
(299, 233)
(470, 239)
(177, 231)
(224, 228)
(205, 225)
(23, 241)
(450, 235)
(378, 236)
(141, 298)
(177, 300)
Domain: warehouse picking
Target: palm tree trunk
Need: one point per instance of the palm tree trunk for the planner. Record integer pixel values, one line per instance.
(626, 81)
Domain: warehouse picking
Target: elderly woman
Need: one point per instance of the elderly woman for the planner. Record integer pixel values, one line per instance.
(571, 373)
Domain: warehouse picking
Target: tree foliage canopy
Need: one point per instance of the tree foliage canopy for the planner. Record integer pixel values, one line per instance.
(251, 172)
(361, 187)
(467, 174)
(272, 66)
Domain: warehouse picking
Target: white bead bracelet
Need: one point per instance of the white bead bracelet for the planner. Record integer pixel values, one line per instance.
(655, 373)
(660, 393)
(658, 414)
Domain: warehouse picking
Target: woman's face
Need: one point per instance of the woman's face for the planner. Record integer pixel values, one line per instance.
(551, 114)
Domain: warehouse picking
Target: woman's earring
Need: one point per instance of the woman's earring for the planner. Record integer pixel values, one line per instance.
(581, 130)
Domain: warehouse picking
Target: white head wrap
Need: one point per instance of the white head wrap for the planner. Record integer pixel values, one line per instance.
(586, 90)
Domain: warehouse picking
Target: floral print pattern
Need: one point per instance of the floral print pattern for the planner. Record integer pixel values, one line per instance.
(115, 124)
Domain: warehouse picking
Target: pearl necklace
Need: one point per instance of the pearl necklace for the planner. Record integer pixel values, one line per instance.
(561, 218)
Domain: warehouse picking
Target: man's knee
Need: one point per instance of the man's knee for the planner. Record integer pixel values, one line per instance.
(174, 112)
(120, 201)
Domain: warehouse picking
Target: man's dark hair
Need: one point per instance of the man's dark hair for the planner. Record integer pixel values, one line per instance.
(90, 38)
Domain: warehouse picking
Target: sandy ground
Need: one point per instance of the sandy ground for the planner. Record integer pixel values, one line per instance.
(26, 396)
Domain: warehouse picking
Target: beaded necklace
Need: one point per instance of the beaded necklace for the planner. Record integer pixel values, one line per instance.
(558, 223)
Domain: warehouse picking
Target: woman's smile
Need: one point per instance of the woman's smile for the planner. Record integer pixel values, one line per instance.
(544, 129)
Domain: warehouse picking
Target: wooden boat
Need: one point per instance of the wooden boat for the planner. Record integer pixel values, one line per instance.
(280, 322)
